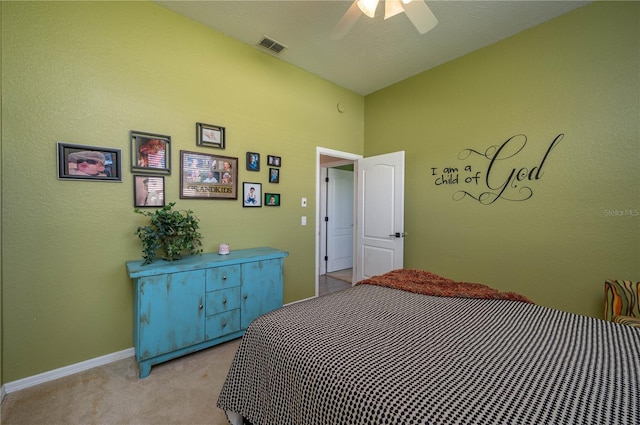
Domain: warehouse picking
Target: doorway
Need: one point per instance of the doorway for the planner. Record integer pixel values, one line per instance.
(378, 244)
(330, 238)
(337, 219)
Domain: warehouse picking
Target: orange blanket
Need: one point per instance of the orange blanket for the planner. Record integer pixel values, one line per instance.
(427, 283)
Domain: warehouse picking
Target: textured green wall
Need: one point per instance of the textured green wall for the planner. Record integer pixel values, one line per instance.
(577, 75)
(88, 73)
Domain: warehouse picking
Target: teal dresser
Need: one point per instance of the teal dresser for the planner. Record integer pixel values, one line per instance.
(187, 305)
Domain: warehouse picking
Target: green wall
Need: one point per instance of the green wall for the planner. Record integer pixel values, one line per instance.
(577, 75)
(88, 73)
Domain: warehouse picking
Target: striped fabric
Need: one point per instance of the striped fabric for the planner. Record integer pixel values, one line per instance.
(621, 302)
(372, 355)
(627, 320)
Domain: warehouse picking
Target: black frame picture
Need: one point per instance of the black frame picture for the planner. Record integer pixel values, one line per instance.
(251, 194)
(274, 175)
(92, 163)
(209, 135)
(275, 202)
(148, 191)
(253, 161)
(274, 161)
(150, 153)
(206, 176)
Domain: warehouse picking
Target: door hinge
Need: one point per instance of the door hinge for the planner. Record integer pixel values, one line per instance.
(326, 179)
(326, 219)
(326, 258)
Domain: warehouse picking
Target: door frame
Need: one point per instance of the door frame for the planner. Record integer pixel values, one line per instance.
(326, 158)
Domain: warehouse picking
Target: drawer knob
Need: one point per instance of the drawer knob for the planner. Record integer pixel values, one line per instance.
(224, 277)
(245, 296)
(224, 324)
(200, 306)
(224, 301)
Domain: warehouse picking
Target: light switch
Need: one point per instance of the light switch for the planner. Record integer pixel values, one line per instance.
(304, 220)
(304, 202)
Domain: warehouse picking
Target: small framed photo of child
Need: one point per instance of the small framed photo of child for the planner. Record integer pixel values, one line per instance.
(274, 175)
(274, 161)
(209, 135)
(89, 162)
(272, 199)
(148, 191)
(150, 153)
(251, 194)
(253, 161)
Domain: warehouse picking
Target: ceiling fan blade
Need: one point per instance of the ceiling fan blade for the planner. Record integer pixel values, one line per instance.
(344, 25)
(420, 15)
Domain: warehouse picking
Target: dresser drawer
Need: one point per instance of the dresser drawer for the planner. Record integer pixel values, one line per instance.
(222, 324)
(223, 277)
(222, 300)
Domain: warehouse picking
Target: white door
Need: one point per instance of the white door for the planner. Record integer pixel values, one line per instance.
(339, 219)
(379, 215)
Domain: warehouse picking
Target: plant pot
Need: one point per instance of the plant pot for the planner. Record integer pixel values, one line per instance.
(170, 244)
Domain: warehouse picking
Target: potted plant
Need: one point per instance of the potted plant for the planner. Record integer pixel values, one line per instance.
(175, 232)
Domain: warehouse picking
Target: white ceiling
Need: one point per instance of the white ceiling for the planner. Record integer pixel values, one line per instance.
(376, 52)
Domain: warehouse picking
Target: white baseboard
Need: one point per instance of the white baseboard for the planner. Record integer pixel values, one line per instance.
(299, 301)
(41, 378)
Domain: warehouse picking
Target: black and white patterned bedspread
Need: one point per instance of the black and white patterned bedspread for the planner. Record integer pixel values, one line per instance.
(374, 355)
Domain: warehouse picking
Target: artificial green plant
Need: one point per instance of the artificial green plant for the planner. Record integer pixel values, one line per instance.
(175, 232)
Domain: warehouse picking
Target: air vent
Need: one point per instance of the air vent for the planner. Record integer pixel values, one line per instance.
(271, 44)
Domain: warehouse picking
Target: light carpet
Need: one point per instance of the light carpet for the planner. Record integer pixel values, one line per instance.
(181, 391)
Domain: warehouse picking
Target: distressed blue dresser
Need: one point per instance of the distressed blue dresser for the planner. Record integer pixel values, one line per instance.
(187, 305)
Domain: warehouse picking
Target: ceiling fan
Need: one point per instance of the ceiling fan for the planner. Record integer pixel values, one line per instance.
(416, 10)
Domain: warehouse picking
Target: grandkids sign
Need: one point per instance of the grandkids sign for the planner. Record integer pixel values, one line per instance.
(502, 173)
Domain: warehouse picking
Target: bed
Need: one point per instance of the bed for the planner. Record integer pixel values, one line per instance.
(412, 347)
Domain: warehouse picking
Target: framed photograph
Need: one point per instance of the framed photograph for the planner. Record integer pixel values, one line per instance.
(272, 199)
(251, 194)
(83, 162)
(148, 191)
(210, 135)
(274, 175)
(150, 153)
(205, 176)
(274, 161)
(253, 161)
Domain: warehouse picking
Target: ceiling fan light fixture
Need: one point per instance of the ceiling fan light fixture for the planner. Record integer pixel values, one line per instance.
(392, 8)
(368, 7)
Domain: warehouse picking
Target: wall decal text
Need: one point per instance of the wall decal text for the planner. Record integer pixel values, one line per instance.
(498, 178)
